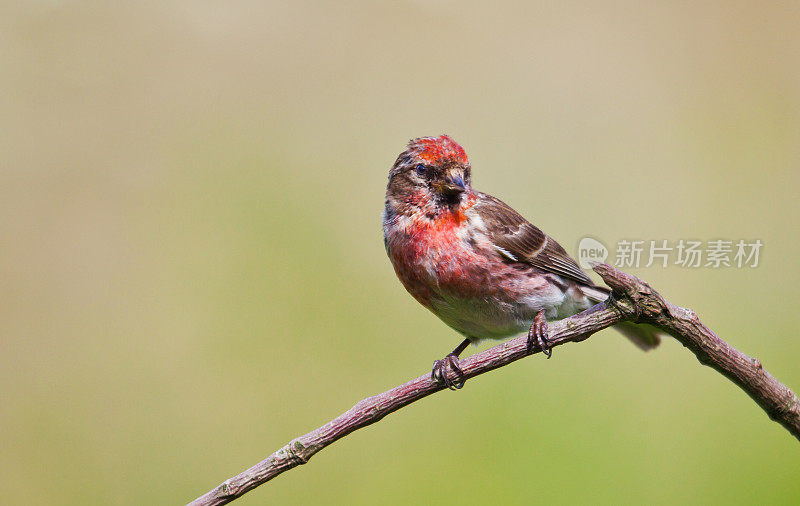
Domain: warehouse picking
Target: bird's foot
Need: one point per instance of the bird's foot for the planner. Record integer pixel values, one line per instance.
(440, 370)
(537, 334)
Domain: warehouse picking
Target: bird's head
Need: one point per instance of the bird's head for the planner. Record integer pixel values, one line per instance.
(432, 174)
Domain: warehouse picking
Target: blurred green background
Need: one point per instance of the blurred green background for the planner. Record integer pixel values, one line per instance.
(193, 270)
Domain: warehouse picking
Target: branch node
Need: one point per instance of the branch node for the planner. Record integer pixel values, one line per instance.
(295, 451)
(624, 306)
(224, 489)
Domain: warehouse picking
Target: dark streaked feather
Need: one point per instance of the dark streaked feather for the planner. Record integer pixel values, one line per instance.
(518, 240)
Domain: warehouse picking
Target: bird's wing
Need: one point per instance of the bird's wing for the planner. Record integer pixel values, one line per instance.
(519, 241)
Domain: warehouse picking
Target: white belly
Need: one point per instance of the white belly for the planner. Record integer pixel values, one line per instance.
(480, 319)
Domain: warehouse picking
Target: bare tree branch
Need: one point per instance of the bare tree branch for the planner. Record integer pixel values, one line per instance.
(632, 300)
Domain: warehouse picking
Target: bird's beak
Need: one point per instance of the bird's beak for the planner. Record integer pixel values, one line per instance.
(452, 186)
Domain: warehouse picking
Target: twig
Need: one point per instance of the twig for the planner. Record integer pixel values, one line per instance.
(632, 300)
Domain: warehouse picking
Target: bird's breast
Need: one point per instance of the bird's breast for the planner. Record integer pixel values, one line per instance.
(434, 256)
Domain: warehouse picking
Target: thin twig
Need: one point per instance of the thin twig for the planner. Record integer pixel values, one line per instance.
(632, 300)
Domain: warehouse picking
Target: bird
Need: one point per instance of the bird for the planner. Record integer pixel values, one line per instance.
(475, 262)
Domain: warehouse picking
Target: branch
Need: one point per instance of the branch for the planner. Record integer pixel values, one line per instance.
(632, 300)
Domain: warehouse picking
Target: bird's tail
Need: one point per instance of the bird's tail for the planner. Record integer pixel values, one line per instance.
(646, 337)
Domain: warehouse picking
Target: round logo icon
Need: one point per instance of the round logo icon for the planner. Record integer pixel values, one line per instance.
(591, 250)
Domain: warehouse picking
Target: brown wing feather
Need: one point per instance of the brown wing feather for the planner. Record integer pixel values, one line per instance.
(520, 241)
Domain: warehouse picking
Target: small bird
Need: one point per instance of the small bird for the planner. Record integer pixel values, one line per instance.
(474, 261)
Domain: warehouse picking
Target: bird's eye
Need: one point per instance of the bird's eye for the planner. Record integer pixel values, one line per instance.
(421, 169)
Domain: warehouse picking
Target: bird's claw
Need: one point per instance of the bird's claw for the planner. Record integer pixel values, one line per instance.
(537, 334)
(439, 372)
